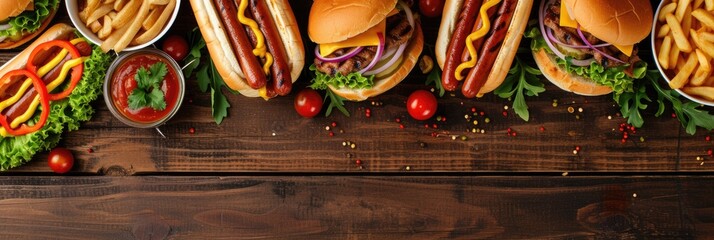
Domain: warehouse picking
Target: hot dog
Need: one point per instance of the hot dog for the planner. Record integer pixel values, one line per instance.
(255, 44)
(47, 89)
(491, 37)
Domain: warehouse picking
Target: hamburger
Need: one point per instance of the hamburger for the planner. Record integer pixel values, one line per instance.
(364, 48)
(23, 20)
(589, 47)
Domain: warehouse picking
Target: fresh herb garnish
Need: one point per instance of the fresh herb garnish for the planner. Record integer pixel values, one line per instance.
(148, 87)
(632, 102)
(336, 101)
(207, 76)
(434, 77)
(687, 112)
(322, 81)
(521, 78)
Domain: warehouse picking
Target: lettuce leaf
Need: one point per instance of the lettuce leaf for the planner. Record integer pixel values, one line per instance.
(352, 81)
(29, 21)
(613, 77)
(65, 114)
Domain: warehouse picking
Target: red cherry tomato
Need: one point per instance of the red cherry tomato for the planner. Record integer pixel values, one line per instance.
(308, 103)
(60, 160)
(431, 8)
(176, 46)
(421, 105)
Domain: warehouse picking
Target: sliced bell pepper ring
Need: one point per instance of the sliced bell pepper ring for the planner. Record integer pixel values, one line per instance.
(76, 71)
(44, 101)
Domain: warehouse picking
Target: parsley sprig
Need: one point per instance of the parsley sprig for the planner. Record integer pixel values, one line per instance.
(434, 78)
(148, 87)
(521, 79)
(207, 76)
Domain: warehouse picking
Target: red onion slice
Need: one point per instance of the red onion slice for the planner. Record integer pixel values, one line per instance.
(541, 16)
(4, 27)
(342, 58)
(585, 40)
(391, 61)
(410, 16)
(555, 40)
(380, 51)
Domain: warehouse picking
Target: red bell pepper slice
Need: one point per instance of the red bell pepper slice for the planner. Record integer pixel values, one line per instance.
(76, 70)
(44, 101)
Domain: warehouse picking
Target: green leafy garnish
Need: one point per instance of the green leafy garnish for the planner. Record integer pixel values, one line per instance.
(521, 78)
(434, 77)
(687, 112)
(353, 80)
(207, 76)
(148, 87)
(632, 102)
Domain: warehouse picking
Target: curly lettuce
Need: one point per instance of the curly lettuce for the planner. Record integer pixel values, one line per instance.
(29, 21)
(64, 114)
(352, 81)
(613, 77)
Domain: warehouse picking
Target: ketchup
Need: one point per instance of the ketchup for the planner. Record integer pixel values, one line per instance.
(123, 83)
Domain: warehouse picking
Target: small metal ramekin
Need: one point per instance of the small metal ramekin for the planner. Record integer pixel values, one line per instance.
(110, 102)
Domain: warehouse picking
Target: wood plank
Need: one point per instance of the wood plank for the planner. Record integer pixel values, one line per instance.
(245, 141)
(392, 207)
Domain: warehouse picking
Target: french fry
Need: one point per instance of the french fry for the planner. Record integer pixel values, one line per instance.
(92, 5)
(158, 2)
(706, 36)
(697, 4)
(674, 56)
(706, 47)
(709, 5)
(109, 43)
(107, 29)
(663, 55)
(700, 76)
(680, 63)
(682, 76)
(706, 18)
(679, 38)
(663, 31)
(669, 8)
(119, 4)
(95, 26)
(704, 60)
(101, 11)
(704, 92)
(687, 21)
(158, 26)
(112, 14)
(134, 27)
(153, 16)
(710, 81)
(128, 13)
(681, 9)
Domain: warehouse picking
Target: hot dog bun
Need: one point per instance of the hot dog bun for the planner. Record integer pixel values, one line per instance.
(514, 34)
(9, 9)
(57, 31)
(219, 46)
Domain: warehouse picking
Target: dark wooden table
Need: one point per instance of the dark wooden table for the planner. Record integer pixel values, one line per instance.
(265, 172)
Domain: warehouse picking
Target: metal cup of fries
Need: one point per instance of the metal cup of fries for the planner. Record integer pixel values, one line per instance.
(123, 25)
(683, 46)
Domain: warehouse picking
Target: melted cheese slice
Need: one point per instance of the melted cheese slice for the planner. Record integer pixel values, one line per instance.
(367, 38)
(567, 21)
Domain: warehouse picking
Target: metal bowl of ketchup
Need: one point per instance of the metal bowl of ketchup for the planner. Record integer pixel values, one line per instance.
(119, 83)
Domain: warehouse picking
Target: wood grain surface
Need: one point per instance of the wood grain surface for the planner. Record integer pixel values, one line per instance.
(326, 207)
(268, 136)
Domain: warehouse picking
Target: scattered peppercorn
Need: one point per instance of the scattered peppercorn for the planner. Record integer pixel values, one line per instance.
(708, 138)
(401, 126)
(542, 129)
(191, 130)
(332, 134)
(90, 150)
(334, 124)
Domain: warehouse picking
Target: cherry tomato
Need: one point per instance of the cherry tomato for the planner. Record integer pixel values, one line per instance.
(421, 105)
(60, 160)
(308, 103)
(431, 8)
(176, 46)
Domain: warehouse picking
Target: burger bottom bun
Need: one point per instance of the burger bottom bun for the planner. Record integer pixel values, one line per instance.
(566, 81)
(28, 37)
(411, 56)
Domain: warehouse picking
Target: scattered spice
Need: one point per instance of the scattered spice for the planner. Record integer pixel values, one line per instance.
(358, 162)
(401, 126)
(334, 124)
(542, 129)
(708, 138)
(422, 144)
(332, 134)
(90, 150)
(487, 120)
(191, 130)
(571, 109)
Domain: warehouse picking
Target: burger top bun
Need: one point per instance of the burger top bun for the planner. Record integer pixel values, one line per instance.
(620, 22)
(13, 8)
(337, 20)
